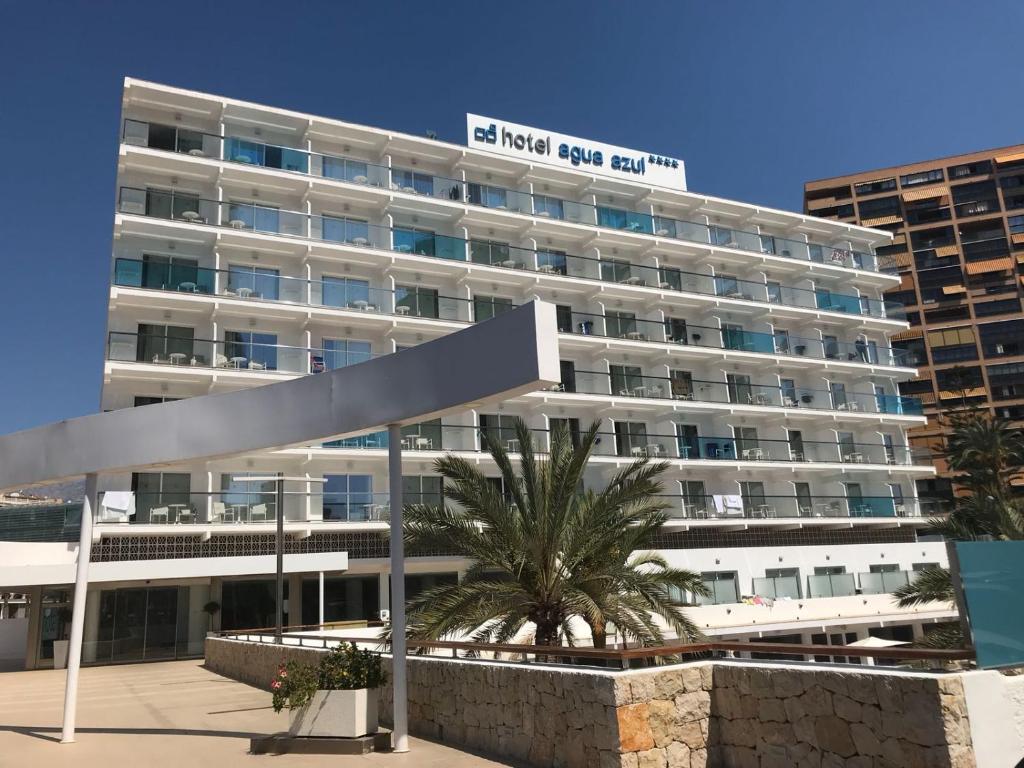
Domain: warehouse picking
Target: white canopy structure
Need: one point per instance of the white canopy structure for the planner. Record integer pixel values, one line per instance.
(514, 353)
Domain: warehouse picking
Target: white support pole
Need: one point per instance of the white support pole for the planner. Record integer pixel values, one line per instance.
(400, 725)
(67, 735)
(321, 599)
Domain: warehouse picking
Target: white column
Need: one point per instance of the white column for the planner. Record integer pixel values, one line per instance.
(321, 614)
(67, 735)
(400, 724)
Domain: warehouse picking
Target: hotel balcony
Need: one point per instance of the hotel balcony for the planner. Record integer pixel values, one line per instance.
(199, 147)
(524, 265)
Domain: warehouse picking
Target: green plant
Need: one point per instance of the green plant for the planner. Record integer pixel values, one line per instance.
(344, 668)
(211, 608)
(545, 550)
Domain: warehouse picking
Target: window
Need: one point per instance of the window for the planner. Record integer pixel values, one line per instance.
(1002, 339)
(804, 500)
(257, 282)
(252, 349)
(242, 496)
(490, 252)
(739, 389)
(497, 427)
(1000, 307)
(487, 196)
(837, 390)
(422, 302)
(952, 345)
(169, 205)
(548, 207)
(924, 566)
(879, 206)
(774, 292)
(682, 384)
(486, 307)
(722, 587)
(687, 441)
(159, 491)
(563, 316)
(620, 324)
(554, 261)
(422, 489)
(630, 438)
(626, 379)
(970, 169)
(345, 169)
(615, 270)
(345, 230)
(168, 273)
(412, 181)
(671, 277)
(350, 498)
(157, 344)
(727, 285)
(675, 330)
(1016, 224)
(1006, 380)
(339, 353)
(346, 598)
(753, 496)
(567, 369)
(695, 497)
(571, 424)
(345, 292)
(922, 177)
(258, 217)
(872, 187)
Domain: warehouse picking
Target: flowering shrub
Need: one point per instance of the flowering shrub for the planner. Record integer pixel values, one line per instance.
(344, 668)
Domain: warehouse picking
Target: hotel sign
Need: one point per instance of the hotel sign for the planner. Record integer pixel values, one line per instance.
(534, 145)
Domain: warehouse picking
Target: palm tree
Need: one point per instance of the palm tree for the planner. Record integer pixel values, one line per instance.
(545, 551)
(989, 451)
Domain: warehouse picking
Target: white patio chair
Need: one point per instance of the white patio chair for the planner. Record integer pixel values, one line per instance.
(258, 513)
(159, 514)
(218, 512)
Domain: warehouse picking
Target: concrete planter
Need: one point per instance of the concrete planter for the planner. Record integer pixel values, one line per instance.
(341, 714)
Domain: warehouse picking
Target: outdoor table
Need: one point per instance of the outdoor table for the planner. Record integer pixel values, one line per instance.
(238, 362)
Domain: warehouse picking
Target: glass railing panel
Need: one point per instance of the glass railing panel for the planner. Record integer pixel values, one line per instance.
(837, 302)
(578, 213)
(356, 507)
(166, 277)
(502, 255)
(779, 586)
(450, 308)
(871, 506)
(616, 218)
(498, 198)
(748, 341)
(558, 264)
(351, 231)
(831, 585)
(249, 152)
(350, 170)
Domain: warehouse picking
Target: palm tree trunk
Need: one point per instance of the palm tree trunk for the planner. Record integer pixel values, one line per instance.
(599, 635)
(546, 634)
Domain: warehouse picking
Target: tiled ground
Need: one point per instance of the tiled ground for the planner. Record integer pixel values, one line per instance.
(171, 714)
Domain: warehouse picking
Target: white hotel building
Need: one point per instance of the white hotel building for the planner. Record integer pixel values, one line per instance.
(745, 346)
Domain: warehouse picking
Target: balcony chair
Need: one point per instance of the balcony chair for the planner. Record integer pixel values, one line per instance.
(258, 513)
(256, 366)
(159, 514)
(316, 364)
(218, 513)
(221, 361)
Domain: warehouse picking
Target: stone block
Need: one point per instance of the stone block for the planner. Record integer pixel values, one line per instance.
(816, 701)
(663, 721)
(776, 734)
(652, 758)
(668, 683)
(771, 710)
(699, 758)
(693, 706)
(846, 708)
(865, 740)
(739, 757)
(871, 717)
(833, 735)
(691, 734)
(677, 755)
(691, 678)
(643, 687)
(861, 688)
(804, 730)
(707, 676)
(788, 683)
(634, 728)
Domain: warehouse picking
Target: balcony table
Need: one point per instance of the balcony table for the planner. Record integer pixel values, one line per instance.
(360, 305)
(547, 269)
(634, 280)
(187, 287)
(245, 293)
(237, 511)
(636, 335)
(360, 241)
(753, 454)
(190, 216)
(401, 309)
(177, 358)
(236, 224)
(855, 458)
(238, 362)
(424, 443)
(360, 179)
(640, 391)
(508, 263)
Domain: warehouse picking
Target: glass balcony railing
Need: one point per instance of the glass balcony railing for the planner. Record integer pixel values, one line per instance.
(884, 582)
(251, 352)
(638, 444)
(677, 331)
(632, 384)
(831, 585)
(337, 293)
(266, 219)
(245, 508)
(727, 506)
(477, 193)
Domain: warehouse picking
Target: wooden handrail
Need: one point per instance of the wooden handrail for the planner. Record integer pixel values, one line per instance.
(646, 652)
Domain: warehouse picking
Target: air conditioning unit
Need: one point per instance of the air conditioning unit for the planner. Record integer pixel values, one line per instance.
(384, 614)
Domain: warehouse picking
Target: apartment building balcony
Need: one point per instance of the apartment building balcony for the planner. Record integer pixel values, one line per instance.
(683, 389)
(818, 300)
(807, 507)
(200, 147)
(631, 440)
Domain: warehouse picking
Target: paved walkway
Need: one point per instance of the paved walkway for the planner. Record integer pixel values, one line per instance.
(171, 714)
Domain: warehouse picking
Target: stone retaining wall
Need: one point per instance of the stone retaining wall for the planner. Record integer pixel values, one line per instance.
(700, 715)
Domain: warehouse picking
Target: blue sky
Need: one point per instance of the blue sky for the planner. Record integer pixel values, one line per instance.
(755, 97)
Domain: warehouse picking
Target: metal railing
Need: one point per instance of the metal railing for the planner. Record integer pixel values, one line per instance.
(411, 181)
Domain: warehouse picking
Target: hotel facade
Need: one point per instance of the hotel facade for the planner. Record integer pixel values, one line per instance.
(745, 346)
